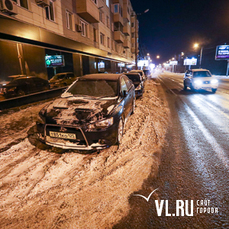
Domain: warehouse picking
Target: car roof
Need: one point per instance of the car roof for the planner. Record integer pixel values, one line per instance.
(136, 71)
(63, 73)
(28, 77)
(199, 70)
(17, 76)
(102, 76)
(133, 73)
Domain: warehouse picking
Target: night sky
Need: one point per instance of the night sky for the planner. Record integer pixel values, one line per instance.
(173, 26)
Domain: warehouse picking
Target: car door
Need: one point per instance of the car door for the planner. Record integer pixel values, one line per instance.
(130, 93)
(124, 94)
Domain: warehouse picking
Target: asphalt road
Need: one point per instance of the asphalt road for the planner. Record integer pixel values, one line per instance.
(194, 164)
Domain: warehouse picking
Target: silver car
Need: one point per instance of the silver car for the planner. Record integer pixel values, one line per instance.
(197, 79)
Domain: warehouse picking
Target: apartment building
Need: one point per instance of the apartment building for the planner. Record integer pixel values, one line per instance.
(45, 37)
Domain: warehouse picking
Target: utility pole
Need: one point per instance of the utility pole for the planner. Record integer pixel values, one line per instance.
(201, 55)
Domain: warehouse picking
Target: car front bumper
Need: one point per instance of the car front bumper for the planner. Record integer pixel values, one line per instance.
(85, 139)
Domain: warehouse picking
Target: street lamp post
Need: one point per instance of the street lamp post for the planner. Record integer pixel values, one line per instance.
(196, 45)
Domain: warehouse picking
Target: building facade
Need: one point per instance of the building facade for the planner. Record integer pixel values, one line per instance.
(45, 37)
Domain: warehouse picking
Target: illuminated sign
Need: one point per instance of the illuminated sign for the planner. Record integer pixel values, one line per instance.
(54, 61)
(121, 64)
(142, 63)
(101, 64)
(173, 62)
(222, 52)
(192, 61)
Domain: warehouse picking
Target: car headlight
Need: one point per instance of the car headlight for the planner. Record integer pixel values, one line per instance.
(138, 87)
(214, 81)
(101, 124)
(198, 82)
(42, 112)
(12, 89)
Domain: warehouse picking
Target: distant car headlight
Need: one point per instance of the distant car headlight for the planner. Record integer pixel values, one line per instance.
(214, 81)
(101, 124)
(198, 82)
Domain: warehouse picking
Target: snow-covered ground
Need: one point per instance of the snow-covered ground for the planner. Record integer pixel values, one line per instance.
(44, 187)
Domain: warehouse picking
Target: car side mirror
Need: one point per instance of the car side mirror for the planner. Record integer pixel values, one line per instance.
(125, 93)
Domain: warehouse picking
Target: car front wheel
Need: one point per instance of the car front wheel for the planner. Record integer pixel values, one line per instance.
(20, 92)
(133, 106)
(120, 131)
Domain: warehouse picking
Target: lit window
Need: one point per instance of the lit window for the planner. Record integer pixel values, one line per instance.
(84, 29)
(50, 11)
(69, 20)
(22, 3)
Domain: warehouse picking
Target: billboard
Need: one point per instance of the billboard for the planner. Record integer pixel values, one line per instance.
(54, 61)
(189, 62)
(222, 52)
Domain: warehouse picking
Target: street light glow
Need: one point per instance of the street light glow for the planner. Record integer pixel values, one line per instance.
(158, 57)
(196, 45)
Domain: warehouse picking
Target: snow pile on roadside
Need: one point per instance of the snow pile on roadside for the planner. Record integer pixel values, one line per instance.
(46, 189)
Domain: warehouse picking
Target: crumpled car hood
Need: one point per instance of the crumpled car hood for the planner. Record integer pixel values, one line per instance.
(78, 111)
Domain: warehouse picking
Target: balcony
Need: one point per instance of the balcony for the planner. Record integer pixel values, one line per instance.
(118, 18)
(88, 10)
(126, 43)
(119, 37)
(126, 14)
(126, 29)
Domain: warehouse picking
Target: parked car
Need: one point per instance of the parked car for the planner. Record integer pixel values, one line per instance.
(141, 72)
(90, 114)
(62, 79)
(22, 85)
(197, 79)
(147, 73)
(138, 82)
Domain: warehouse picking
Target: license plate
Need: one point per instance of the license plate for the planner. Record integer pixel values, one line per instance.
(62, 135)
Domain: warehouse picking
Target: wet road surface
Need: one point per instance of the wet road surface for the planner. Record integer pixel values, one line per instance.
(194, 164)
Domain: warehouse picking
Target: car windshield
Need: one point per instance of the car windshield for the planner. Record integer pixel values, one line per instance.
(201, 74)
(140, 72)
(94, 88)
(134, 78)
(57, 77)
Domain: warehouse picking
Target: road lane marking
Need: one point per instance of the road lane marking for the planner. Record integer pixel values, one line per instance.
(212, 141)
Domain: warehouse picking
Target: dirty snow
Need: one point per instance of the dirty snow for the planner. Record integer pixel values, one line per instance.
(54, 188)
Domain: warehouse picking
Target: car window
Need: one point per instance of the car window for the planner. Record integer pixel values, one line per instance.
(134, 78)
(128, 82)
(201, 74)
(70, 75)
(94, 88)
(123, 85)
